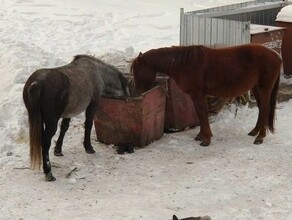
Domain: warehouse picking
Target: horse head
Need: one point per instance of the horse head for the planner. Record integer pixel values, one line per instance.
(144, 74)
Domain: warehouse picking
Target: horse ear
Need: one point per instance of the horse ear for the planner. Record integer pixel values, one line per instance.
(140, 56)
(174, 217)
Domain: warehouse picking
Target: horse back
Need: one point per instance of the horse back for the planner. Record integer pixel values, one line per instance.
(239, 68)
(249, 56)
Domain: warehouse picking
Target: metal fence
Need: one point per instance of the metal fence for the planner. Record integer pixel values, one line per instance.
(226, 25)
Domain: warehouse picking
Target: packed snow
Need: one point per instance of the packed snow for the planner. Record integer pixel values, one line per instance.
(230, 179)
(285, 15)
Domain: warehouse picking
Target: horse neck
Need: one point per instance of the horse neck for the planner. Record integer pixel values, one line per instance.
(169, 60)
(108, 78)
(114, 81)
(164, 69)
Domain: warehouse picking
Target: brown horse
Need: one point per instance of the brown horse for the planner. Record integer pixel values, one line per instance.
(225, 72)
(64, 92)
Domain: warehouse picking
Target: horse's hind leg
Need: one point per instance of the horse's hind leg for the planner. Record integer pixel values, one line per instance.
(264, 109)
(256, 129)
(64, 127)
(49, 132)
(89, 115)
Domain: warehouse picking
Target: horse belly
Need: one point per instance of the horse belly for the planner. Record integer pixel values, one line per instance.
(232, 88)
(72, 110)
(78, 101)
(223, 93)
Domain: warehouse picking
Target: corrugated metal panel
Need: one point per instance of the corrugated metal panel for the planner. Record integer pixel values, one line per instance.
(213, 32)
(262, 16)
(226, 25)
(223, 8)
(258, 12)
(235, 6)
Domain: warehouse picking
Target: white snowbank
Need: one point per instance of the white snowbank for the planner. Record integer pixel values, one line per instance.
(232, 179)
(285, 15)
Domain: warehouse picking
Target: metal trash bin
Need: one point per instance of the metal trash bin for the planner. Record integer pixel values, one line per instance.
(137, 120)
(269, 36)
(284, 19)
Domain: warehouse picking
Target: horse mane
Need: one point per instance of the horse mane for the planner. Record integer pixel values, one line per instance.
(95, 59)
(82, 56)
(170, 58)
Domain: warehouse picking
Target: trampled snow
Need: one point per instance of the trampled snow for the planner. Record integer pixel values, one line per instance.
(231, 179)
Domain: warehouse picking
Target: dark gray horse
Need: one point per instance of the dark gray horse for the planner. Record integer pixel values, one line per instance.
(64, 92)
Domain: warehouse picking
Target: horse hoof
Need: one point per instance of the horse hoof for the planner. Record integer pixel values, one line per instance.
(205, 143)
(253, 133)
(49, 177)
(198, 138)
(122, 148)
(90, 151)
(58, 154)
(258, 141)
(131, 149)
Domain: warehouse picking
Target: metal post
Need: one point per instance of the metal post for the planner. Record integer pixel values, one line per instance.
(181, 29)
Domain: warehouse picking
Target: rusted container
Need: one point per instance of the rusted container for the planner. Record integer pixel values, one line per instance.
(180, 112)
(269, 36)
(133, 120)
(286, 47)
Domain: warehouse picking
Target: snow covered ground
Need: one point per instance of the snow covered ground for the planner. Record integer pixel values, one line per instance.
(231, 179)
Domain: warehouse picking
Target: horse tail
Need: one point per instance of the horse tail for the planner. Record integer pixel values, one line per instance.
(32, 99)
(273, 102)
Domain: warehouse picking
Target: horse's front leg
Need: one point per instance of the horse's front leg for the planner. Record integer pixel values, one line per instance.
(201, 107)
(89, 115)
(49, 132)
(64, 127)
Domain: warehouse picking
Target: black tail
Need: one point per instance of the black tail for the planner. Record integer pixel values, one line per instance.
(31, 97)
(273, 102)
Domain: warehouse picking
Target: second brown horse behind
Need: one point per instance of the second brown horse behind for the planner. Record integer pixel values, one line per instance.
(224, 72)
